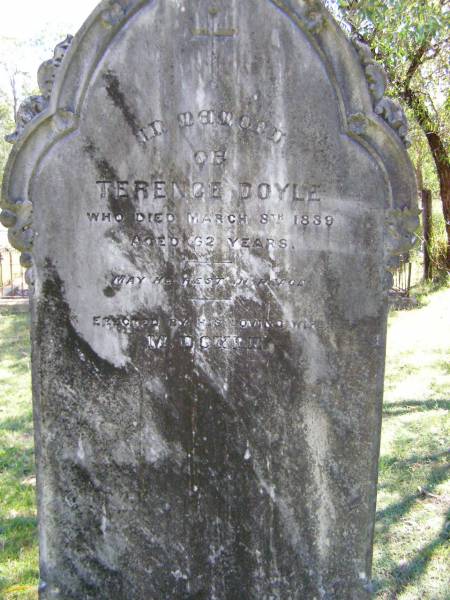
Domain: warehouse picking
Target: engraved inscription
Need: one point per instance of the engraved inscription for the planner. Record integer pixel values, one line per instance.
(165, 189)
(208, 224)
(211, 118)
(212, 281)
(136, 322)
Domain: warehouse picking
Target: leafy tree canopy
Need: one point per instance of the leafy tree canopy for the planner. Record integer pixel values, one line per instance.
(412, 41)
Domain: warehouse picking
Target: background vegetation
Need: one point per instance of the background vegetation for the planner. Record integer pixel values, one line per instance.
(411, 39)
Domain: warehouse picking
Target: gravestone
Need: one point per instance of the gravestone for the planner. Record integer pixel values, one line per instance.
(208, 195)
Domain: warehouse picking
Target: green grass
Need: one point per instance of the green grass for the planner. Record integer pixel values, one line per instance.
(412, 550)
(423, 291)
(18, 536)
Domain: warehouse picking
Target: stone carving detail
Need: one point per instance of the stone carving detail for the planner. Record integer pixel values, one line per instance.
(34, 105)
(17, 216)
(393, 114)
(401, 224)
(400, 227)
(115, 13)
(29, 108)
(310, 13)
(314, 21)
(358, 123)
(387, 108)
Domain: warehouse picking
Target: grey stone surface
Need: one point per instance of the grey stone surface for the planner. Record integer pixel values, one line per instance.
(210, 200)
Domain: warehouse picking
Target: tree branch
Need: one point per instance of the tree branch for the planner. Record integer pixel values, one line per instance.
(416, 62)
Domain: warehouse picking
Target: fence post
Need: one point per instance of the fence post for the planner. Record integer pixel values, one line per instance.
(427, 231)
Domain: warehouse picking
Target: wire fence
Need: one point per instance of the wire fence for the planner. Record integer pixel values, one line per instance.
(403, 277)
(12, 275)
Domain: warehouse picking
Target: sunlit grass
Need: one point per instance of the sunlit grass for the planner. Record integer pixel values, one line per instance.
(413, 524)
(18, 536)
(412, 557)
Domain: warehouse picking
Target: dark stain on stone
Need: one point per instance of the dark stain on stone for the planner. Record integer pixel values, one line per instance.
(118, 98)
(54, 308)
(80, 396)
(105, 170)
(109, 292)
(201, 595)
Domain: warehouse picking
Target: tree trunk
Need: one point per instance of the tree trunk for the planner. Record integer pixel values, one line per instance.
(439, 152)
(427, 212)
(443, 169)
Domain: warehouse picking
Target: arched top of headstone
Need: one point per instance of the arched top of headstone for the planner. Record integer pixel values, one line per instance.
(209, 192)
(377, 122)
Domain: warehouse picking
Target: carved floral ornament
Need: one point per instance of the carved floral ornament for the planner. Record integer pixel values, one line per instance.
(313, 18)
(17, 217)
(34, 105)
(388, 109)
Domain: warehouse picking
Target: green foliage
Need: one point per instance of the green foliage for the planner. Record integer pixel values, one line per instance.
(422, 158)
(398, 26)
(438, 246)
(401, 32)
(411, 39)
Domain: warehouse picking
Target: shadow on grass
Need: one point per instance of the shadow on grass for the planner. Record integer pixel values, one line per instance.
(18, 500)
(416, 477)
(388, 461)
(408, 573)
(16, 460)
(430, 469)
(424, 290)
(396, 511)
(395, 409)
(19, 533)
(21, 424)
(19, 368)
(15, 342)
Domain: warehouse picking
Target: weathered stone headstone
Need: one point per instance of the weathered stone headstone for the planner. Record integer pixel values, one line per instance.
(218, 189)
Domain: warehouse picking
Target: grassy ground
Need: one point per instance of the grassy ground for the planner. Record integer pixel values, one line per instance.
(18, 538)
(412, 551)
